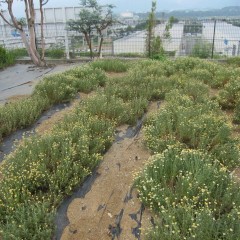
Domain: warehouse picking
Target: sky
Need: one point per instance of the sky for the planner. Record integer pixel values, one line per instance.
(141, 5)
(145, 5)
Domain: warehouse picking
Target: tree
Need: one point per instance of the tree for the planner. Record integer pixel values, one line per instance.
(169, 25)
(202, 49)
(154, 43)
(151, 28)
(30, 43)
(93, 17)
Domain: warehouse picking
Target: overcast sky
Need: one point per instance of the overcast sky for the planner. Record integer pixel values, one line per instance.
(143, 5)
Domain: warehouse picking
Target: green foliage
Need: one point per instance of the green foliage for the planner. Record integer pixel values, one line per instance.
(55, 52)
(57, 88)
(157, 51)
(19, 52)
(150, 29)
(6, 58)
(196, 125)
(92, 18)
(236, 118)
(201, 49)
(230, 94)
(130, 55)
(113, 65)
(3, 56)
(187, 183)
(36, 218)
(57, 162)
(51, 90)
(20, 114)
(193, 195)
(235, 61)
(87, 78)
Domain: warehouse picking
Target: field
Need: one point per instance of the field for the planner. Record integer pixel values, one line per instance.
(188, 184)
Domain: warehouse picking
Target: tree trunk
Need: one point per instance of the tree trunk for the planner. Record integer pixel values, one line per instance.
(42, 34)
(100, 47)
(31, 43)
(89, 43)
(32, 54)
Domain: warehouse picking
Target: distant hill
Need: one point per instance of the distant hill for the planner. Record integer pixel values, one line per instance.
(233, 11)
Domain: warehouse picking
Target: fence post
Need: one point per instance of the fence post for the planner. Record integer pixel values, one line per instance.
(214, 33)
(66, 34)
(112, 46)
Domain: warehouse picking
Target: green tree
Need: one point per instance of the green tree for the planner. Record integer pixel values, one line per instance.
(201, 49)
(154, 44)
(169, 25)
(151, 28)
(29, 42)
(93, 17)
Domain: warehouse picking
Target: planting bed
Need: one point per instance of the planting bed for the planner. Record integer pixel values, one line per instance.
(186, 189)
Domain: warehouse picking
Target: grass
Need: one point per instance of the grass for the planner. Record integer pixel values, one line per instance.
(186, 183)
(6, 58)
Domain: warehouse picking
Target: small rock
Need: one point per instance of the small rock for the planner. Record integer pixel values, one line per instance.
(110, 215)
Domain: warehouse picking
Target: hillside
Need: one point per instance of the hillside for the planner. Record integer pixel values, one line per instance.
(233, 11)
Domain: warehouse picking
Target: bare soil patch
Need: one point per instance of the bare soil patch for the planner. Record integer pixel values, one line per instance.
(17, 98)
(111, 208)
(114, 74)
(47, 125)
(213, 92)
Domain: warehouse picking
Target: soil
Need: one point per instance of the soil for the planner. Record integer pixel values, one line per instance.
(111, 208)
(48, 124)
(16, 98)
(213, 92)
(114, 74)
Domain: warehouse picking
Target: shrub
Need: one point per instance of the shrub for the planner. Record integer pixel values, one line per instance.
(56, 88)
(51, 90)
(6, 58)
(86, 78)
(201, 49)
(55, 52)
(230, 94)
(110, 107)
(194, 125)
(43, 170)
(235, 61)
(236, 118)
(130, 55)
(21, 114)
(111, 65)
(19, 52)
(3, 56)
(192, 193)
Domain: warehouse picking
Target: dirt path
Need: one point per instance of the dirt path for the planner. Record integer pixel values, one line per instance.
(111, 209)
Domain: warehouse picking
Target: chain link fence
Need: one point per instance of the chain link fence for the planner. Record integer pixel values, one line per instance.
(206, 38)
